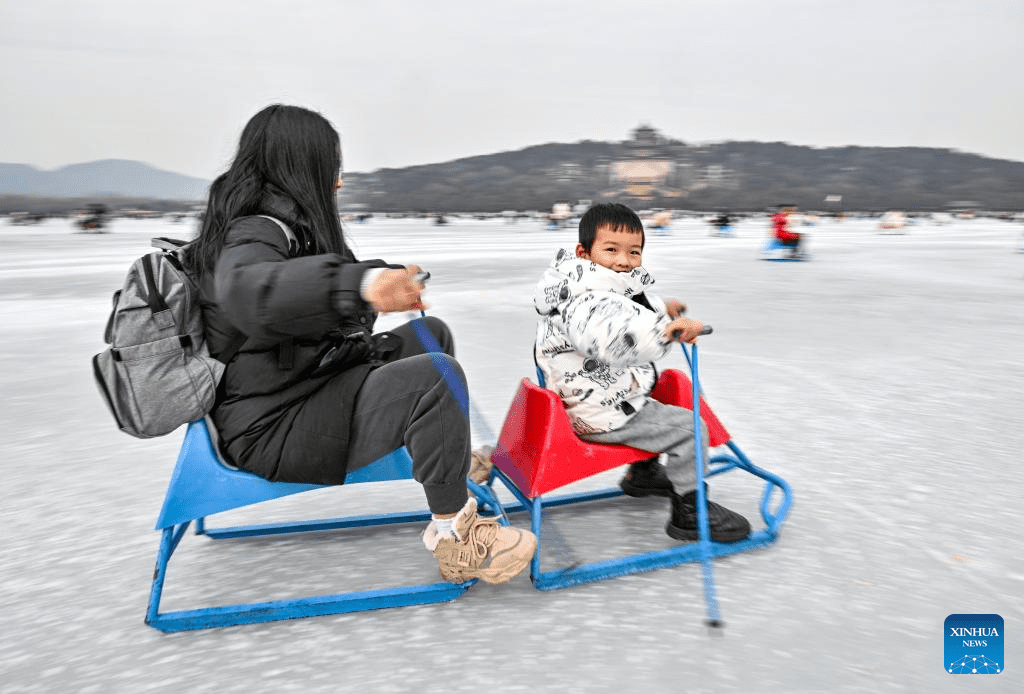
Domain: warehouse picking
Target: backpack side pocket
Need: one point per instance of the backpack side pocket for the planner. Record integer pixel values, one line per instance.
(161, 383)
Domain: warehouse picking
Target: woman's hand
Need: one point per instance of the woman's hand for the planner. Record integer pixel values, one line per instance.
(396, 290)
(683, 330)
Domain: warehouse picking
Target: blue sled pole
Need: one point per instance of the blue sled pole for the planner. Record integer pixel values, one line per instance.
(466, 404)
(714, 619)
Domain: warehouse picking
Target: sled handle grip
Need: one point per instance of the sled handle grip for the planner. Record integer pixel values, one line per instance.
(706, 331)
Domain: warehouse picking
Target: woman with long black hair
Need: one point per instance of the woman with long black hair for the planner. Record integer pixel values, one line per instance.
(309, 392)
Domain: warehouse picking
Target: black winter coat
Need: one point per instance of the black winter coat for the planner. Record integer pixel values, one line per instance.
(285, 400)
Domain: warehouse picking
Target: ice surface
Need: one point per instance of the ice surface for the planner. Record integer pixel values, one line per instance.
(883, 380)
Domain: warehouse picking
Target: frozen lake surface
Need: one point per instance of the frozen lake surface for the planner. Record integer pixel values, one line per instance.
(883, 380)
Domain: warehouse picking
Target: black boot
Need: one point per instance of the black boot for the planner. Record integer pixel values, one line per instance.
(646, 478)
(725, 525)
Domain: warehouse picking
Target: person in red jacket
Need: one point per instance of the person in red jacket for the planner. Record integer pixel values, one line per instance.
(783, 234)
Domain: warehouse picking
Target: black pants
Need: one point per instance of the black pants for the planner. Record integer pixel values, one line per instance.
(410, 401)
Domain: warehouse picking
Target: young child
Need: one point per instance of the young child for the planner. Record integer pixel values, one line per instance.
(600, 330)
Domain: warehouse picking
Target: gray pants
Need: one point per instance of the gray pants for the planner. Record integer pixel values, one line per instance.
(666, 429)
(409, 401)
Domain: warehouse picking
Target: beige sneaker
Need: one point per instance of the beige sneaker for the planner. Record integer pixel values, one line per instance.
(484, 549)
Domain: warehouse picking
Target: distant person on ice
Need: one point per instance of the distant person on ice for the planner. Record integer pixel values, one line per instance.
(723, 223)
(599, 332)
(783, 233)
(312, 392)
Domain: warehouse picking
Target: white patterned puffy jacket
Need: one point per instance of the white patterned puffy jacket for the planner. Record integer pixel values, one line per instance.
(596, 345)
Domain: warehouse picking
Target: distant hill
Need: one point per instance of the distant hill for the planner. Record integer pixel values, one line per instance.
(728, 175)
(106, 178)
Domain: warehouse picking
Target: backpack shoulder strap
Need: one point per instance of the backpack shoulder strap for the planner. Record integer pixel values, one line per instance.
(239, 339)
(293, 242)
(232, 349)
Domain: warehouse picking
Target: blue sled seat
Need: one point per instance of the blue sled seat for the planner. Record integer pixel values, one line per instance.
(774, 250)
(202, 485)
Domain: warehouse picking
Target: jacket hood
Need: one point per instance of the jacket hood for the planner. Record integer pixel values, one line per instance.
(568, 276)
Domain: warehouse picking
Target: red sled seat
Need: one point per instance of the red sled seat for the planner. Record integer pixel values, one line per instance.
(539, 451)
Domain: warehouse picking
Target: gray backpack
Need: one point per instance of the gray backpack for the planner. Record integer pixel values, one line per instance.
(157, 373)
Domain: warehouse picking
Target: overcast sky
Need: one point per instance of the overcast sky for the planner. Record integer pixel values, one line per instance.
(411, 82)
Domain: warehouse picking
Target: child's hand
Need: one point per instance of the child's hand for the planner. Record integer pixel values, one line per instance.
(674, 308)
(683, 330)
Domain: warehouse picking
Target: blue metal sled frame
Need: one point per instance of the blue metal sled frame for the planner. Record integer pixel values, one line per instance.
(252, 613)
(637, 563)
(770, 251)
(198, 469)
